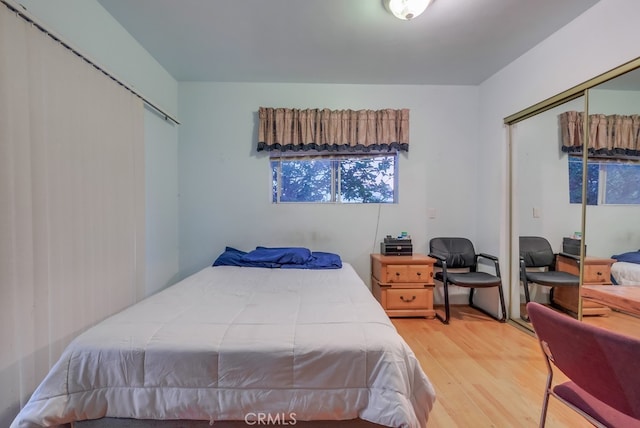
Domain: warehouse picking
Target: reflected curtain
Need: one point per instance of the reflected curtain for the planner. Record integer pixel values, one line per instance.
(609, 135)
(72, 211)
(283, 129)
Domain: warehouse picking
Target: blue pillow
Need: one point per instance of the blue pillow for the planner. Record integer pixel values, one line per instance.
(284, 255)
(233, 257)
(318, 260)
(322, 260)
(630, 257)
(230, 257)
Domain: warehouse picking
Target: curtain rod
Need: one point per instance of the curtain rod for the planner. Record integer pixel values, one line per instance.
(31, 20)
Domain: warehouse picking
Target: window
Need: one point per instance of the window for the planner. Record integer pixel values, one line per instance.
(575, 181)
(335, 179)
(609, 182)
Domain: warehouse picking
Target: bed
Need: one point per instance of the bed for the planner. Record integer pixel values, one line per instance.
(283, 344)
(626, 269)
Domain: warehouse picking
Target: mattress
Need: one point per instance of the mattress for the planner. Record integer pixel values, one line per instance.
(231, 343)
(625, 273)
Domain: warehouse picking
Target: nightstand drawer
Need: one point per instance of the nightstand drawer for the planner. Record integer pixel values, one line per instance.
(409, 273)
(597, 274)
(403, 284)
(409, 298)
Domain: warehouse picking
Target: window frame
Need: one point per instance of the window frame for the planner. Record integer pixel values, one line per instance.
(602, 177)
(335, 159)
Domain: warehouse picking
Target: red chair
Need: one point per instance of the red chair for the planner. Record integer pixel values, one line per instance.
(602, 367)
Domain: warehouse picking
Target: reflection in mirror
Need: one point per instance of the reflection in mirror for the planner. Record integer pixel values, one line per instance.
(543, 206)
(611, 231)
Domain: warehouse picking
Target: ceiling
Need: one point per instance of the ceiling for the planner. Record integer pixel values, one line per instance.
(460, 42)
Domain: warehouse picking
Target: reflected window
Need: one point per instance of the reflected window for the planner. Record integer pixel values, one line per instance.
(609, 182)
(622, 183)
(575, 181)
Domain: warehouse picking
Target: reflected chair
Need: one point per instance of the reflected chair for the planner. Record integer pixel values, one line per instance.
(458, 254)
(538, 266)
(600, 365)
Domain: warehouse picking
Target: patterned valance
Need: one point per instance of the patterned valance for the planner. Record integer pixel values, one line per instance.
(283, 129)
(609, 135)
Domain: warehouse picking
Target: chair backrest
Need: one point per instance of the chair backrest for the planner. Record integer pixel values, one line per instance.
(458, 252)
(601, 362)
(536, 252)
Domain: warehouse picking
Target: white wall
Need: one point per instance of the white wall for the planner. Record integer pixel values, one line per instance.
(602, 38)
(225, 184)
(86, 26)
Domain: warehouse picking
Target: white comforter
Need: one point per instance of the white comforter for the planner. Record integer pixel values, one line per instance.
(231, 342)
(626, 273)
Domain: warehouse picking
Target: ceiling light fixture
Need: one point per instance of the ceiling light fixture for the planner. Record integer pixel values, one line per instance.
(406, 9)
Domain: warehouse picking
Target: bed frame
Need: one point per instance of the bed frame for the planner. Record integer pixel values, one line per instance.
(622, 298)
(137, 423)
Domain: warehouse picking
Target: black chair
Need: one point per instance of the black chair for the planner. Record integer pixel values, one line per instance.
(538, 266)
(458, 253)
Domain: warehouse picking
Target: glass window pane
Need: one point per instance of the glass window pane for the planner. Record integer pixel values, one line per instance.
(305, 181)
(367, 180)
(370, 179)
(623, 183)
(274, 180)
(575, 181)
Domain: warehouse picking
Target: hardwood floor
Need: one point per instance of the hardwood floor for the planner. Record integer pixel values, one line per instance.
(486, 373)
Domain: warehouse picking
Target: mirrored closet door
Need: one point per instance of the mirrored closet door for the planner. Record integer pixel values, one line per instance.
(574, 177)
(546, 201)
(613, 209)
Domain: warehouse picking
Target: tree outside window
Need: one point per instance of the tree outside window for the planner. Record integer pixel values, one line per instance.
(609, 182)
(351, 179)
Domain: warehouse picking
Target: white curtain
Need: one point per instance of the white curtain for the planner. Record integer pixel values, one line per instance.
(72, 203)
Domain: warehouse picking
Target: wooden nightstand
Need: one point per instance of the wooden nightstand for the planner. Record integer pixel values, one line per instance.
(597, 271)
(403, 284)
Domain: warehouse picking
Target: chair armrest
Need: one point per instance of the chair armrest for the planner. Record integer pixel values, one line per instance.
(437, 257)
(488, 256)
(570, 256)
(494, 259)
(442, 263)
(523, 270)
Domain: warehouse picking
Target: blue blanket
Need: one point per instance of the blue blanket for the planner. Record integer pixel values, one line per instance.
(280, 257)
(630, 257)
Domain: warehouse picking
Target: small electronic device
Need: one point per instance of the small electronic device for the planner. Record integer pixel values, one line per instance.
(571, 246)
(400, 246)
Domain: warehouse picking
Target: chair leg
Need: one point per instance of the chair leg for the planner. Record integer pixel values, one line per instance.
(503, 306)
(527, 298)
(503, 318)
(445, 320)
(547, 394)
(543, 413)
(548, 384)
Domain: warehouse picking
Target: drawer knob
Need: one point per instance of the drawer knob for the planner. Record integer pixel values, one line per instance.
(418, 273)
(404, 299)
(599, 273)
(397, 273)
